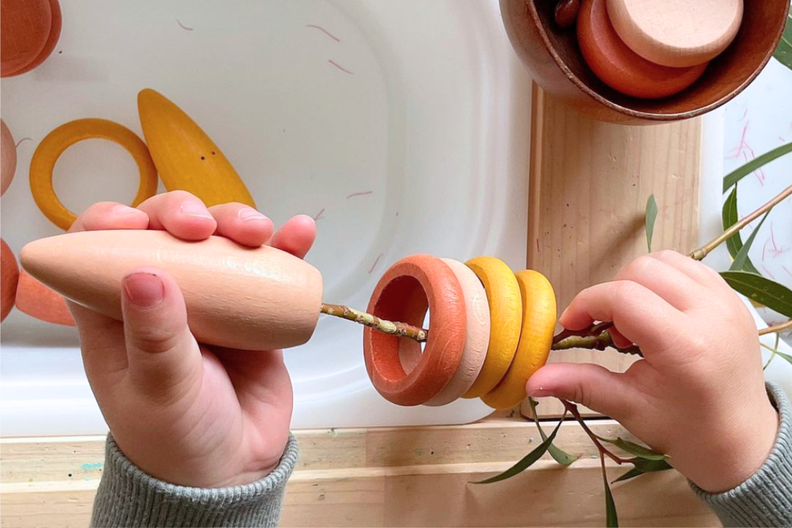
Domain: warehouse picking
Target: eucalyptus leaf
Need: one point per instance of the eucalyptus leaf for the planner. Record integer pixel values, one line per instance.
(741, 172)
(611, 517)
(761, 290)
(634, 472)
(651, 216)
(650, 466)
(526, 462)
(734, 243)
(741, 259)
(635, 449)
(558, 454)
(784, 50)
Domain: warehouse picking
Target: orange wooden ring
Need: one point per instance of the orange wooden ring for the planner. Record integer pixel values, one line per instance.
(404, 293)
(52, 39)
(25, 27)
(9, 278)
(57, 141)
(620, 67)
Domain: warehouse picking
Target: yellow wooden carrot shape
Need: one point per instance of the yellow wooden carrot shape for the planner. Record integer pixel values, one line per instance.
(186, 158)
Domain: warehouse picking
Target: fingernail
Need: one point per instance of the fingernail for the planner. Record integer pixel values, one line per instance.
(247, 214)
(196, 209)
(144, 289)
(125, 210)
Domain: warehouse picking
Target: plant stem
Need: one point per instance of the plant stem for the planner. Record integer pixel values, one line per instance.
(573, 410)
(592, 342)
(776, 328)
(372, 321)
(705, 250)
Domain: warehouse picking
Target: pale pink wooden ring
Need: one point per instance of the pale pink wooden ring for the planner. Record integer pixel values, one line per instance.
(404, 293)
(476, 336)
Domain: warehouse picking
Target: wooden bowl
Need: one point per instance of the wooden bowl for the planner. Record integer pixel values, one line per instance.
(553, 57)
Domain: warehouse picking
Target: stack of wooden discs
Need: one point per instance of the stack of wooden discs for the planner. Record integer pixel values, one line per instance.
(489, 330)
(651, 49)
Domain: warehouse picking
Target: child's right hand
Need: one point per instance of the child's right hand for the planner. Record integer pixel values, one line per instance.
(698, 395)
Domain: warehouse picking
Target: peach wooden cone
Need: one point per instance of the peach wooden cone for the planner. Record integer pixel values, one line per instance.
(236, 297)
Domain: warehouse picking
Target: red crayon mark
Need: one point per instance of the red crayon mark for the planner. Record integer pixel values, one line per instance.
(375, 264)
(744, 114)
(788, 272)
(782, 140)
(363, 193)
(23, 139)
(185, 28)
(768, 272)
(319, 215)
(775, 250)
(323, 30)
(334, 63)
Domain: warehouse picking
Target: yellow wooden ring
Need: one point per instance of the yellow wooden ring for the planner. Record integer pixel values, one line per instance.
(66, 135)
(503, 297)
(536, 338)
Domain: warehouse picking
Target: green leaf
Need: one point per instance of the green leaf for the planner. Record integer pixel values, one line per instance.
(643, 466)
(611, 517)
(741, 259)
(651, 216)
(784, 50)
(741, 172)
(734, 243)
(761, 290)
(635, 449)
(558, 454)
(526, 462)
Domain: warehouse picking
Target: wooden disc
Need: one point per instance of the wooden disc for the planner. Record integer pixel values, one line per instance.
(52, 39)
(621, 68)
(9, 277)
(676, 33)
(476, 336)
(24, 31)
(41, 302)
(8, 157)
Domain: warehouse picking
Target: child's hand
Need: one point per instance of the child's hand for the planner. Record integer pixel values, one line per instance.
(183, 412)
(699, 394)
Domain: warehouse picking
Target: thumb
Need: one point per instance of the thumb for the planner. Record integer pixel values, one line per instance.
(594, 386)
(163, 356)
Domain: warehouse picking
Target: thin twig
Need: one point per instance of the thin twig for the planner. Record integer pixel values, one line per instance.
(776, 328)
(573, 410)
(372, 321)
(705, 250)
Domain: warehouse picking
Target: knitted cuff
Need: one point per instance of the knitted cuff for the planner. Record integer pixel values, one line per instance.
(129, 497)
(765, 499)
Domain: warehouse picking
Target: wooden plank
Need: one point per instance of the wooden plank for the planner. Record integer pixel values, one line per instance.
(588, 188)
(387, 477)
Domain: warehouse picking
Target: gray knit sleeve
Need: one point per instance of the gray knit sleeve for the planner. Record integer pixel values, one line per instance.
(765, 499)
(129, 497)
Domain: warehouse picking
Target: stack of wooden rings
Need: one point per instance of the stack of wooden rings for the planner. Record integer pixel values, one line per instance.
(649, 49)
(489, 330)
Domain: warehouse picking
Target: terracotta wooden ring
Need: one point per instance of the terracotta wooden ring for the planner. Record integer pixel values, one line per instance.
(536, 338)
(620, 67)
(52, 39)
(57, 141)
(505, 306)
(404, 293)
(8, 157)
(476, 336)
(24, 30)
(9, 277)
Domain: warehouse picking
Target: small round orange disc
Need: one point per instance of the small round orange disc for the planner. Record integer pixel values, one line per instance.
(9, 278)
(8, 157)
(52, 39)
(621, 68)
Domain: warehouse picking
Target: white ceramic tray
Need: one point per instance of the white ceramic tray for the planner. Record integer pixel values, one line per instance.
(419, 104)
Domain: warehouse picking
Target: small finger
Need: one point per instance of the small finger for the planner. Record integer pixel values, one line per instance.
(679, 290)
(242, 224)
(697, 271)
(180, 214)
(296, 236)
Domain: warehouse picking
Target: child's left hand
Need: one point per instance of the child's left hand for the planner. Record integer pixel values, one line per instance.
(184, 412)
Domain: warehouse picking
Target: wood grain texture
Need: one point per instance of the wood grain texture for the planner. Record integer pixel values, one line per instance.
(589, 185)
(383, 477)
